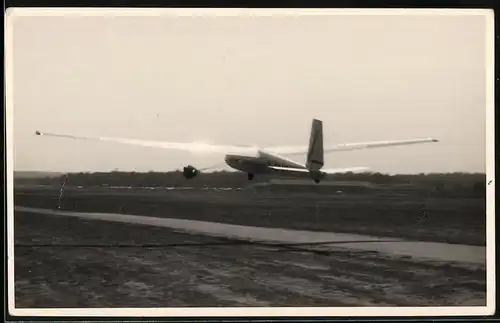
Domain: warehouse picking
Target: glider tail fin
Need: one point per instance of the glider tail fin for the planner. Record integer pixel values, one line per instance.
(315, 152)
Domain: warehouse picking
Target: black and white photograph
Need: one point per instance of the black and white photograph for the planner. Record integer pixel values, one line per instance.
(255, 162)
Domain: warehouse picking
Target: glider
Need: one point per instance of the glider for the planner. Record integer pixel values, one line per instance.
(272, 160)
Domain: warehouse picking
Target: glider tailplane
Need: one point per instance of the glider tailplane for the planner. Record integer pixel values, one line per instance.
(315, 153)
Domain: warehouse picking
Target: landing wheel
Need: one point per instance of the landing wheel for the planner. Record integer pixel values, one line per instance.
(250, 176)
(316, 181)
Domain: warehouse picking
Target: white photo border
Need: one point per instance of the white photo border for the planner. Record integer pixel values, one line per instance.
(489, 309)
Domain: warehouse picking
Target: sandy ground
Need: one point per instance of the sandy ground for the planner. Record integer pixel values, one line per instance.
(70, 262)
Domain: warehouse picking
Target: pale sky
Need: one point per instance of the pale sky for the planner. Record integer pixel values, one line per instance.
(249, 80)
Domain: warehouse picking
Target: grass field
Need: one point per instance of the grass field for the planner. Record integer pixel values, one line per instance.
(416, 217)
(70, 262)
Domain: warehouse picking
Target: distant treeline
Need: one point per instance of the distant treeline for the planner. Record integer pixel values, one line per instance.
(438, 181)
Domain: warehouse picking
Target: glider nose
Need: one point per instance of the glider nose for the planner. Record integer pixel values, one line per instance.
(38, 133)
(229, 160)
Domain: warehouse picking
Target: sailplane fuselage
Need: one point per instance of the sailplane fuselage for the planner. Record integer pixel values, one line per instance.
(260, 162)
